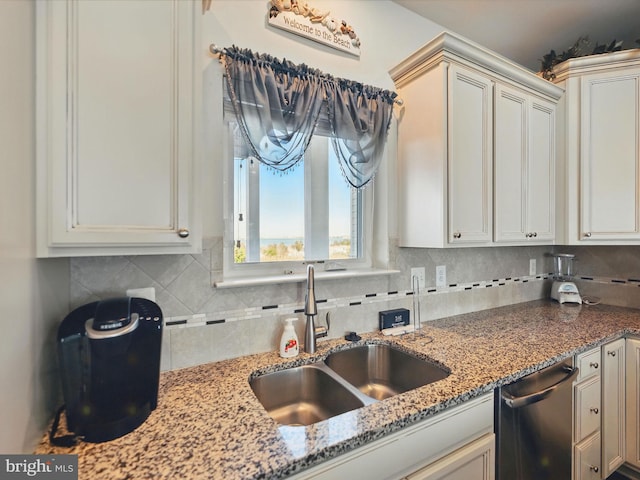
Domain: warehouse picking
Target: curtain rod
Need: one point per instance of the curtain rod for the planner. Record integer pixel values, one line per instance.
(215, 50)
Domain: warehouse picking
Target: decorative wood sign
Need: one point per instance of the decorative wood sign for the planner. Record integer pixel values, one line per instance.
(297, 16)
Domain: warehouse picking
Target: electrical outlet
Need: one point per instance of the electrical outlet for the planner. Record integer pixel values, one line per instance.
(532, 266)
(418, 272)
(441, 276)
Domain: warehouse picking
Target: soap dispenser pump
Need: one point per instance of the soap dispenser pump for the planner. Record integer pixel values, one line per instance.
(289, 345)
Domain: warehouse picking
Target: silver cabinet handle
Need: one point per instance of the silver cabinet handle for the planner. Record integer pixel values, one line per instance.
(587, 234)
(594, 468)
(183, 232)
(457, 235)
(594, 410)
(594, 364)
(613, 354)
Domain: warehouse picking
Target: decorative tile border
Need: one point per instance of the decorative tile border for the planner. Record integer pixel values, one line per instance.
(217, 318)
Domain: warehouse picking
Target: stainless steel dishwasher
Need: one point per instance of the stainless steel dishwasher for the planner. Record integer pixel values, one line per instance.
(534, 425)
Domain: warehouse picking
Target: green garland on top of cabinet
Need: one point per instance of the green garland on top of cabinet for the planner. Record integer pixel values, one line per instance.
(578, 49)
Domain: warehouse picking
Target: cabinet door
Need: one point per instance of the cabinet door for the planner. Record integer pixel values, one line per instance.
(510, 165)
(524, 168)
(117, 96)
(632, 419)
(610, 130)
(474, 461)
(613, 406)
(470, 133)
(541, 171)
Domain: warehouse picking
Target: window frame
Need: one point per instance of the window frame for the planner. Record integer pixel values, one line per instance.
(234, 271)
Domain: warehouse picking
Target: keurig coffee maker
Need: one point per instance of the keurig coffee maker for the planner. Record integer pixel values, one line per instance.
(109, 353)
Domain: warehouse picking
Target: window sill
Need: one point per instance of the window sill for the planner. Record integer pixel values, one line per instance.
(302, 277)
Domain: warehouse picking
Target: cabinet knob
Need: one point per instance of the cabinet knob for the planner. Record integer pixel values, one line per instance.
(587, 234)
(535, 234)
(613, 353)
(183, 232)
(457, 235)
(528, 235)
(594, 410)
(594, 468)
(594, 365)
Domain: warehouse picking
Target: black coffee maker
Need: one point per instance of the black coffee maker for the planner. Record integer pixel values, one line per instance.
(109, 354)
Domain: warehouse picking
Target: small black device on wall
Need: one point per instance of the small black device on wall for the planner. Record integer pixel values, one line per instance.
(109, 354)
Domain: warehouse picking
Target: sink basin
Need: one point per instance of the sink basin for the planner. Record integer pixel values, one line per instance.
(381, 371)
(303, 395)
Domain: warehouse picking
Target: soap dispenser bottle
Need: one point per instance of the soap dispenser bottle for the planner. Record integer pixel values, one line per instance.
(289, 345)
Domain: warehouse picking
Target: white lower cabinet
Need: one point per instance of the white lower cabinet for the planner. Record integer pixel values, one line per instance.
(633, 402)
(587, 416)
(613, 406)
(599, 405)
(456, 444)
(475, 461)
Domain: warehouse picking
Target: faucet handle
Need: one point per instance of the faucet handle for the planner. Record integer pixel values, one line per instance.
(322, 331)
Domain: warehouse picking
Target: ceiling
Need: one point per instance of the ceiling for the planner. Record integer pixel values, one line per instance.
(526, 30)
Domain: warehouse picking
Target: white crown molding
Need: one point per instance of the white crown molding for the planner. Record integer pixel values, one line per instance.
(452, 47)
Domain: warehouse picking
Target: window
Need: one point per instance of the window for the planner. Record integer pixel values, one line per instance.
(311, 129)
(277, 222)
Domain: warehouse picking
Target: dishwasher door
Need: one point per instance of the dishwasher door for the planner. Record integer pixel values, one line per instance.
(534, 425)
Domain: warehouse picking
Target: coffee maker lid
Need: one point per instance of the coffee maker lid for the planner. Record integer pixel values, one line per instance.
(112, 318)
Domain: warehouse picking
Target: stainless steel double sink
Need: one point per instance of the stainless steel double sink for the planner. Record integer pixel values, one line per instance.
(344, 381)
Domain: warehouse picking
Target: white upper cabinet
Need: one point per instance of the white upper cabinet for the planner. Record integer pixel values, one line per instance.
(117, 110)
(470, 107)
(524, 167)
(601, 156)
(470, 116)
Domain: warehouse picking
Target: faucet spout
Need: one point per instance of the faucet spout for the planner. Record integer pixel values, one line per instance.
(310, 306)
(311, 332)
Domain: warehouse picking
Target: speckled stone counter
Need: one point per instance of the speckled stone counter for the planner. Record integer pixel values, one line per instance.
(209, 424)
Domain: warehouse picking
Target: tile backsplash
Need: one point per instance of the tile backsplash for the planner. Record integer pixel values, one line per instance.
(205, 324)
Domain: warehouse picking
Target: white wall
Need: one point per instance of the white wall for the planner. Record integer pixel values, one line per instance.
(33, 293)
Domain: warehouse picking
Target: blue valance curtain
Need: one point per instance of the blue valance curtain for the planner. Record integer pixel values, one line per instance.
(278, 104)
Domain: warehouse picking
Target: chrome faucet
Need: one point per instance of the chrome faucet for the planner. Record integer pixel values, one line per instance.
(311, 332)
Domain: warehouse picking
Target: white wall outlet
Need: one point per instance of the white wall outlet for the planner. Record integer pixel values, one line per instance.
(441, 276)
(532, 266)
(149, 293)
(419, 273)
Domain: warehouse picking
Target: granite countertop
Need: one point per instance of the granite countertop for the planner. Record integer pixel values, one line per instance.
(209, 424)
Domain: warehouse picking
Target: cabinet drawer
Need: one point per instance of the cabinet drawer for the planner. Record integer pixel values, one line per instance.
(589, 364)
(588, 407)
(587, 459)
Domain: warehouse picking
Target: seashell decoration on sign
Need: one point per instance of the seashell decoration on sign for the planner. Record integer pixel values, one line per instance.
(319, 25)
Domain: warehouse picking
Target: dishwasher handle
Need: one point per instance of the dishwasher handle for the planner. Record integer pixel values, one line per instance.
(524, 400)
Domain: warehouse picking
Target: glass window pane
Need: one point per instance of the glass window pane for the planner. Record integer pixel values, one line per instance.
(269, 209)
(281, 215)
(343, 213)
